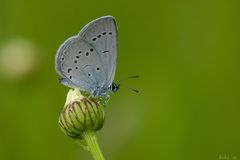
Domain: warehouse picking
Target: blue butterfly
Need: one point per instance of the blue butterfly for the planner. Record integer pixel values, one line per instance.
(88, 60)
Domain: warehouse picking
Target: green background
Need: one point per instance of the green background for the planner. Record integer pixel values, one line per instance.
(186, 52)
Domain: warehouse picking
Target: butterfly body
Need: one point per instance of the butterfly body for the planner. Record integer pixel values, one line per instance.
(88, 60)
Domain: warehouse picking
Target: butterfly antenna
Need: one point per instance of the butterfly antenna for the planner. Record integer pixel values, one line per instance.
(134, 90)
(130, 77)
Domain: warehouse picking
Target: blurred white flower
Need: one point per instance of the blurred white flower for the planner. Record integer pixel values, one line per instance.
(18, 58)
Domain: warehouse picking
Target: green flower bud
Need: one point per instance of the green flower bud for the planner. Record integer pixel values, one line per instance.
(80, 114)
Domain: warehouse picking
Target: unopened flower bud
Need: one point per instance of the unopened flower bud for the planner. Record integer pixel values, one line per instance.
(80, 114)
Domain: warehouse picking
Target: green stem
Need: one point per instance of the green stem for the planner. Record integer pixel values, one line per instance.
(91, 140)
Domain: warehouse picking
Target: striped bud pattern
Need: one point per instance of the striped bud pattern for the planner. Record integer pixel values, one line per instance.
(80, 115)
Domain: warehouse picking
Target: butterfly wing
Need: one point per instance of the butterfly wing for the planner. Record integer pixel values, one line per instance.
(79, 65)
(102, 35)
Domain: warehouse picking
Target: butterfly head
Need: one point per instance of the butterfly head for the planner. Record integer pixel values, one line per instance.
(114, 87)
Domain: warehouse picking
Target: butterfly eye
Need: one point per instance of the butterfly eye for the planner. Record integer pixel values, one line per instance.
(104, 33)
(79, 52)
(110, 33)
(99, 35)
(94, 39)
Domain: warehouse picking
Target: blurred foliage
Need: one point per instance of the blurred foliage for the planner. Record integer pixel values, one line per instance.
(186, 52)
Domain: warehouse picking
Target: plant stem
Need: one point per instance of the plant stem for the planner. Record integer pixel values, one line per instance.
(91, 140)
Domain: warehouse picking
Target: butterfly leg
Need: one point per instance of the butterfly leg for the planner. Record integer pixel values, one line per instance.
(99, 102)
(106, 100)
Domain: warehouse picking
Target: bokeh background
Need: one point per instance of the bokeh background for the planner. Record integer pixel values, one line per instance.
(186, 52)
